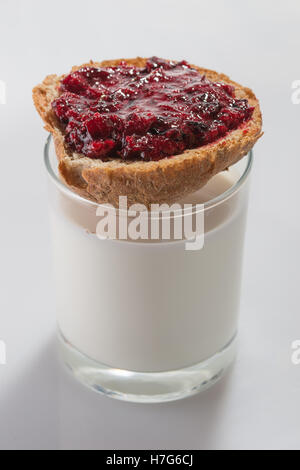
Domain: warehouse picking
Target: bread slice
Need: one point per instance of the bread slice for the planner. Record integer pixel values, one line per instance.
(163, 181)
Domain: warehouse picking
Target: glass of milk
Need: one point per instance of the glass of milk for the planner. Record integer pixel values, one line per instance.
(156, 319)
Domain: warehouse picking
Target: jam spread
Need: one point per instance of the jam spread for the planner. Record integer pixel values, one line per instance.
(146, 113)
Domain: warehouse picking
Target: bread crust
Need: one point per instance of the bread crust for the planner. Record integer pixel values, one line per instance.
(163, 181)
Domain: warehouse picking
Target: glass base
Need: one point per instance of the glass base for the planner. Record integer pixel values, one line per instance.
(148, 387)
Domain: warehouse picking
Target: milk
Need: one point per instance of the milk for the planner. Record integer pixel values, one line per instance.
(144, 306)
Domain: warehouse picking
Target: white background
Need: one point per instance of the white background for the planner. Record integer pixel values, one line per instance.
(257, 405)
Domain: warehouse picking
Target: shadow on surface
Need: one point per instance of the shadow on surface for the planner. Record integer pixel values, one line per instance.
(92, 421)
(46, 408)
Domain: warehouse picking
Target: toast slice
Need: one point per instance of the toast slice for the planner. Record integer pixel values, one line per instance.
(147, 182)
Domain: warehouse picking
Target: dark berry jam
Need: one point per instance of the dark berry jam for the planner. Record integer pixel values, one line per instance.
(145, 113)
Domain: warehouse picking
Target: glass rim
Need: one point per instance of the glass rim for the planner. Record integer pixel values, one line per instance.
(216, 201)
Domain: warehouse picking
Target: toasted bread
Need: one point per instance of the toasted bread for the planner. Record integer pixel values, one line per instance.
(147, 182)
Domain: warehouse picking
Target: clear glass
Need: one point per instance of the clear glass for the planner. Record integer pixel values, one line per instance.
(147, 320)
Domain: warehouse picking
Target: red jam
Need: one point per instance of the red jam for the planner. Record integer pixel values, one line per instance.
(145, 113)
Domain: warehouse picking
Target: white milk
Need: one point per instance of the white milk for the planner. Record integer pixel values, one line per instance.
(150, 306)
